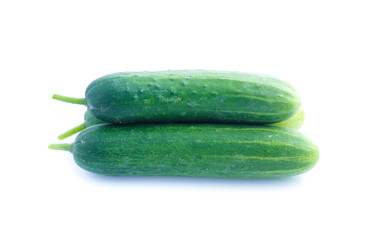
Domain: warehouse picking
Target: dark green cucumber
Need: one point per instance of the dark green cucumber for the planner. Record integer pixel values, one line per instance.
(200, 150)
(89, 120)
(189, 96)
(294, 122)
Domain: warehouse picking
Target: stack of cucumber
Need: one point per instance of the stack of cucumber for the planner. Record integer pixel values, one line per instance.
(191, 123)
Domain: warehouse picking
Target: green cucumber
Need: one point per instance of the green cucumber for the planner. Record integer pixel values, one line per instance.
(294, 122)
(89, 120)
(189, 96)
(200, 150)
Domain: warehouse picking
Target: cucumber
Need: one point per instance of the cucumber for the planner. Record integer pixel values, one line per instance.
(199, 150)
(189, 96)
(89, 120)
(294, 122)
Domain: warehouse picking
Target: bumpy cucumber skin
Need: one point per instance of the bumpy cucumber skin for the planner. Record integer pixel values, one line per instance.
(191, 96)
(200, 150)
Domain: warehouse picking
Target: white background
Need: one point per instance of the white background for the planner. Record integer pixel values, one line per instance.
(323, 48)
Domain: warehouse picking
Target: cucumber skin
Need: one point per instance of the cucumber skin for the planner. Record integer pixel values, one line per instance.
(200, 150)
(295, 122)
(191, 96)
(90, 120)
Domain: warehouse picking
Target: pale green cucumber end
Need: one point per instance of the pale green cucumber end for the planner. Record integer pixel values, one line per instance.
(81, 101)
(61, 146)
(72, 131)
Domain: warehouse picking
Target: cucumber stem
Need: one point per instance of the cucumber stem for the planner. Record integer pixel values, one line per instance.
(61, 146)
(81, 101)
(72, 131)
